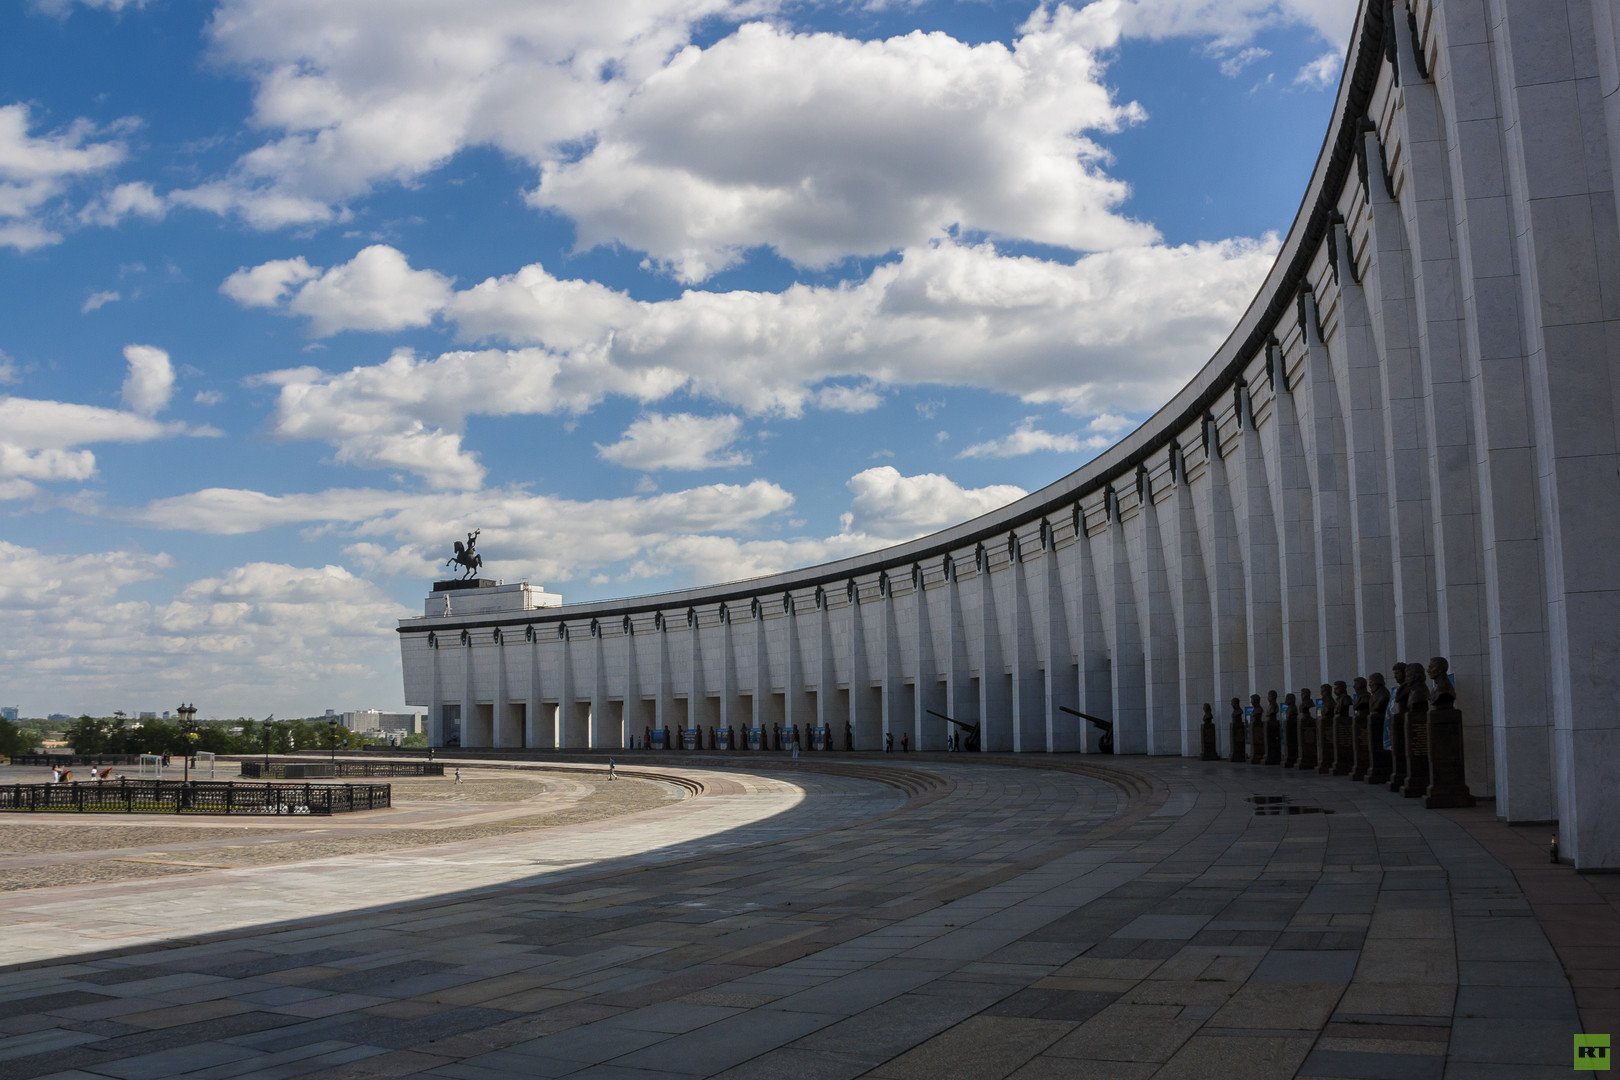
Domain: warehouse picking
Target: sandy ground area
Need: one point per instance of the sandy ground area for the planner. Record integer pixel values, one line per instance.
(40, 850)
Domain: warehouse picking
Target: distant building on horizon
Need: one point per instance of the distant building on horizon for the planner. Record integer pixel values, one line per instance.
(388, 723)
(9, 712)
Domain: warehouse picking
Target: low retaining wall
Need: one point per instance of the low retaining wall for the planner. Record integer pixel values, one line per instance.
(309, 770)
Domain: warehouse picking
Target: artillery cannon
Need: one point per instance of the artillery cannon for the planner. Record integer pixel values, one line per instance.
(1105, 745)
(970, 741)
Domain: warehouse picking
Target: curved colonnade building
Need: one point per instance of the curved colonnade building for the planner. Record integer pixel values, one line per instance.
(1407, 447)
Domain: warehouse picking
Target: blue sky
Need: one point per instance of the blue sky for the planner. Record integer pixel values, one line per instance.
(654, 293)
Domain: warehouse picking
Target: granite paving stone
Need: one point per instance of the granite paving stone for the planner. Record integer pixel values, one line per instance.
(1028, 918)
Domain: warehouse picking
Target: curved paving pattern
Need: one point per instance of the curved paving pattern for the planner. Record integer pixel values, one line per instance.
(1020, 917)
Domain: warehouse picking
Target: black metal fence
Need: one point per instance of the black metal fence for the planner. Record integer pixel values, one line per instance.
(290, 770)
(301, 770)
(193, 797)
(69, 761)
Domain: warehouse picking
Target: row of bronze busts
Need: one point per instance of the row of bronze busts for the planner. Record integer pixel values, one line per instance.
(1424, 752)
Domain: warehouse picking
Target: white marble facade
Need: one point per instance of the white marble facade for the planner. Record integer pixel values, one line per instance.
(1408, 446)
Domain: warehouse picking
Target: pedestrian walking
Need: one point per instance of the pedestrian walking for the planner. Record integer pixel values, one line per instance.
(458, 774)
(795, 751)
(613, 773)
(888, 742)
(905, 742)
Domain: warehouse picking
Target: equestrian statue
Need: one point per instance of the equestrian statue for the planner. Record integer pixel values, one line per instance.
(467, 556)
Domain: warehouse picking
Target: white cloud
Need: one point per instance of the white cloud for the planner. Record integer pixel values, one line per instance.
(678, 441)
(1109, 424)
(208, 397)
(891, 505)
(251, 631)
(887, 508)
(62, 8)
(1229, 23)
(1119, 330)
(1232, 65)
(267, 284)
(1321, 73)
(541, 537)
(98, 300)
(1026, 438)
(872, 146)
(41, 441)
(150, 382)
(126, 200)
(849, 399)
(372, 92)
(376, 290)
(409, 414)
(35, 171)
(698, 534)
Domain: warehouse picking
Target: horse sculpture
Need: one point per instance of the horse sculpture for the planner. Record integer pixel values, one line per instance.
(467, 556)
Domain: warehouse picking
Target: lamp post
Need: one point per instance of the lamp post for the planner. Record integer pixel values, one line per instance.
(331, 731)
(267, 749)
(188, 718)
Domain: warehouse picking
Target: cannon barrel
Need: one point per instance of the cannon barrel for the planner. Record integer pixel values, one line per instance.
(1106, 725)
(951, 720)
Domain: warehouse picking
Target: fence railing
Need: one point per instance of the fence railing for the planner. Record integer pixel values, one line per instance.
(69, 761)
(193, 797)
(303, 770)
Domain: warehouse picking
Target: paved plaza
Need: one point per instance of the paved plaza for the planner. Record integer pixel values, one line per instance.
(889, 916)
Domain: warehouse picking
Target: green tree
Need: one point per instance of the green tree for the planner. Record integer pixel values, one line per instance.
(14, 739)
(88, 735)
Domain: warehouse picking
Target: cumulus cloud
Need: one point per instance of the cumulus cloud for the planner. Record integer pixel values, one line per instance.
(887, 507)
(247, 633)
(1118, 330)
(376, 290)
(540, 536)
(98, 300)
(124, 201)
(871, 147)
(36, 170)
(1320, 73)
(850, 399)
(268, 284)
(150, 382)
(695, 535)
(678, 441)
(1229, 24)
(43, 441)
(409, 413)
(890, 504)
(371, 92)
(1026, 438)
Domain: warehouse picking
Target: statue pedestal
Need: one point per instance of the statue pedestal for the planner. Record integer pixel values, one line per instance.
(1417, 754)
(1447, 786)
(1206, 731)
(1273, 740)
(1307, 743)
